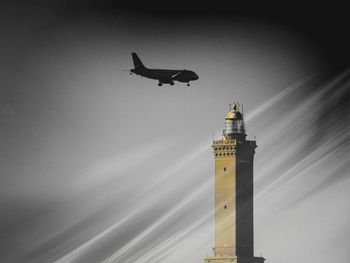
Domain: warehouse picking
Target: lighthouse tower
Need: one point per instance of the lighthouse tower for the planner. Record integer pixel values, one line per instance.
(234, 155)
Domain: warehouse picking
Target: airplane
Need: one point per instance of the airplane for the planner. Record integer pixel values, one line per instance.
(167, 76)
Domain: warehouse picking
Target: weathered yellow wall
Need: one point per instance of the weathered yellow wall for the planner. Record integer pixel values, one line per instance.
(225, 195)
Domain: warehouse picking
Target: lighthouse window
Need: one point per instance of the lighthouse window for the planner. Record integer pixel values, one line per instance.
(225, 207)
(224, 169)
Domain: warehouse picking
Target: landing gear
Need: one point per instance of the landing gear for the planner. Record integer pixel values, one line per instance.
(188, 84)
(171, 83)
(160, 84)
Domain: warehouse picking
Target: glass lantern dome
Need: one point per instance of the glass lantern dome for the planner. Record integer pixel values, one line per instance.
(234, 124)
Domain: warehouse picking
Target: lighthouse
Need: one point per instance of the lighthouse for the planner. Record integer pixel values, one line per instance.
(234, 221)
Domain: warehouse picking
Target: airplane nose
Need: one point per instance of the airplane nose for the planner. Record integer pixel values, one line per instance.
(196, 76)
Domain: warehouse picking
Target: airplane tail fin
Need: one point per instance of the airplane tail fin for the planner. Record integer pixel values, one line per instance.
(137, 61)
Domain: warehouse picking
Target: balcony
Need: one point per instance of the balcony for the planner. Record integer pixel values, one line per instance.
(224, 142)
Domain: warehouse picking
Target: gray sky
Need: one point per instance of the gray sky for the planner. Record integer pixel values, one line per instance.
(101, 166)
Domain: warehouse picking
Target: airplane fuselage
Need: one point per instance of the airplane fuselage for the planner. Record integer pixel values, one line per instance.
(166, 75)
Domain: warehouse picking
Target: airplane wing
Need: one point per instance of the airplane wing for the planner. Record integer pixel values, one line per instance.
(176, 74)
